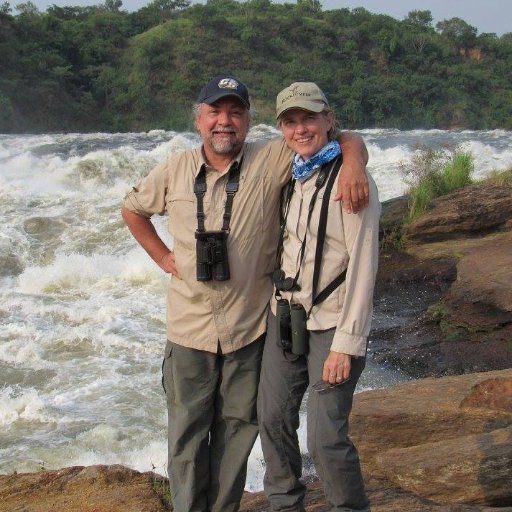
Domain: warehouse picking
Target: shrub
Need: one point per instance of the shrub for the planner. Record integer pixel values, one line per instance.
(433, 173)
(457, 172)
(501, 177)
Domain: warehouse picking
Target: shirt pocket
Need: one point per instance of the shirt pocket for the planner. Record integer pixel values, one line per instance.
(182, 208)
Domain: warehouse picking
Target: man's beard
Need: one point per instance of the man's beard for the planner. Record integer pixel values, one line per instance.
(224, 146)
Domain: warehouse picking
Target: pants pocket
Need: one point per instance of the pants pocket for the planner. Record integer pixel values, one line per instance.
(167, 355)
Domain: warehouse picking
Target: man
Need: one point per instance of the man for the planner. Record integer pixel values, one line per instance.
(223, 206)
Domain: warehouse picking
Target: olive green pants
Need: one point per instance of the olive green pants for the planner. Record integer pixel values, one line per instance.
(284, 381)
(212, 424)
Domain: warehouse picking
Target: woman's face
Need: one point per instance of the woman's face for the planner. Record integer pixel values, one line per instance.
(305, 132)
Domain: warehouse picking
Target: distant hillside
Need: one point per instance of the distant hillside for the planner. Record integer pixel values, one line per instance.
(103, 68)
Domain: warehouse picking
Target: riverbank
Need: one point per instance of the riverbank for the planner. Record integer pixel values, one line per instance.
(466, 421)
(448, 290)
(441, 443)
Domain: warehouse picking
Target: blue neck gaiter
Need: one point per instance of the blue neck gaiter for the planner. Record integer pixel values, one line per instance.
(302, 170)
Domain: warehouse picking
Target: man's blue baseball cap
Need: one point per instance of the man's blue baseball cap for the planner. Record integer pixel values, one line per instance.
(222, 86)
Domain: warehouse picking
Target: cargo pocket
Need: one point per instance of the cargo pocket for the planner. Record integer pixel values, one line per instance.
(166, 361)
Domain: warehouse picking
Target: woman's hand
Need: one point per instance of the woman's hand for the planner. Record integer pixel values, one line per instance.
(337, 368)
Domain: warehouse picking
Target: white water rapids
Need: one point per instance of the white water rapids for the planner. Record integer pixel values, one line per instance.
(82, 306)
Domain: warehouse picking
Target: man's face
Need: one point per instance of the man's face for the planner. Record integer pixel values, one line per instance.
(223, 125)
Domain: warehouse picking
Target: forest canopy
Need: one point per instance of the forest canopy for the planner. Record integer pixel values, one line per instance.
(104, 68)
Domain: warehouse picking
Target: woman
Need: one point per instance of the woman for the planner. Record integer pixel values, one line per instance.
(326, 268)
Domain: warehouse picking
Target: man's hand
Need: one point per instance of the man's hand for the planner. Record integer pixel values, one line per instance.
(145, 233)
(337, 368)
(168, 264)
(353, 183)
(352, 187)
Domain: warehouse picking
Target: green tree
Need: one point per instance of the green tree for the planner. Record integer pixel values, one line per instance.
(458, 31)
(157, 12)
(113, 5)
(419, 18)
(310, 6)
(27, 8)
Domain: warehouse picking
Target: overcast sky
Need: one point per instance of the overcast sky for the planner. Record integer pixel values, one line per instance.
(485, 15)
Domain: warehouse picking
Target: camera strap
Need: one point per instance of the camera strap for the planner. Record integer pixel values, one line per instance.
(320, 240)
(231, 190)
(327, 173)
(323, 173)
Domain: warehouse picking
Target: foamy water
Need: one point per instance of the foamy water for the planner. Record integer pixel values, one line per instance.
(82, 307)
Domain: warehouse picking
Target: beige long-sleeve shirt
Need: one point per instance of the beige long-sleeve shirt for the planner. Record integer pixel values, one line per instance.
(351, 242)
(233, 313)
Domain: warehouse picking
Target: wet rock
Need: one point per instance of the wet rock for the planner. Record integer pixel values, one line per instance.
(44, 237)
(403, 335)
(454, 281)
(471, 211)
(10, 265)
(44, 228)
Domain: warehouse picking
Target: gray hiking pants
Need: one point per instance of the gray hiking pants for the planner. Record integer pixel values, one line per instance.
(212, 424)
(283, 383)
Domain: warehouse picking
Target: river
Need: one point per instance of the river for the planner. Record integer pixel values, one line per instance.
(82, 306)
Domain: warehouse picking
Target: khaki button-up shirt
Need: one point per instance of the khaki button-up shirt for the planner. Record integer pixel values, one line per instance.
(202, 315)
(351, 242)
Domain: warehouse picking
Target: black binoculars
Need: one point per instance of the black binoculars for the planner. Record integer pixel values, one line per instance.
(292, 332)
(212, 256)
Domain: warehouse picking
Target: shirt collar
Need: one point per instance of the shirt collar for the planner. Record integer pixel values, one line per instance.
(202, 161)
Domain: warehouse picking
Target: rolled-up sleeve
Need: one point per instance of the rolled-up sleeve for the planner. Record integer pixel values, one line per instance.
(362, 240)
(149, 195)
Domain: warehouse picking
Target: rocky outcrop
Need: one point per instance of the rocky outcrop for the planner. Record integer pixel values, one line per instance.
(447, 440)
(481, 461)
(454, 278)
(429, 411)
(475, 210)
(432, 445)
(83, 489)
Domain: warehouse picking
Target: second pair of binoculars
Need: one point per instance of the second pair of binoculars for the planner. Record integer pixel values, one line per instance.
(292, 332)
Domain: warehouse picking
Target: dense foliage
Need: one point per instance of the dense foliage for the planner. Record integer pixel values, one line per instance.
(103, 68)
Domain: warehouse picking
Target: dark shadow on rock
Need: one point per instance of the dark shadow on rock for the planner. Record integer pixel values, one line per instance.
(403, 335)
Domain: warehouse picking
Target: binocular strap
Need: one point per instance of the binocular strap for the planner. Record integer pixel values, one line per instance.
(326, 174)
(231, 190)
